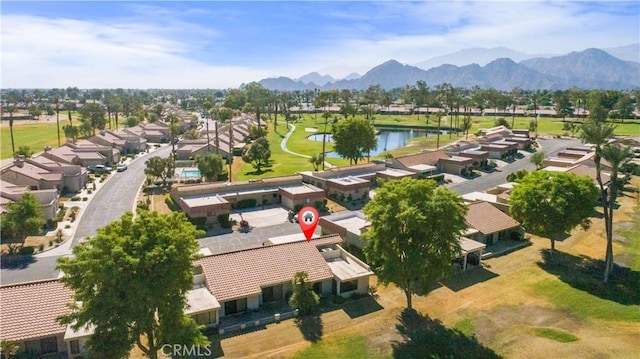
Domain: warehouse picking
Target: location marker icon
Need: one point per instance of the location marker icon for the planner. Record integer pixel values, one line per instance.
(308, 218)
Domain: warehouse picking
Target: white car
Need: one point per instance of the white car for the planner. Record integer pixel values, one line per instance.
(121, 167)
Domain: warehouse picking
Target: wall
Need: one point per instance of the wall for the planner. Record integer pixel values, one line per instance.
(253, 302)
(82, 342)
(363, 285)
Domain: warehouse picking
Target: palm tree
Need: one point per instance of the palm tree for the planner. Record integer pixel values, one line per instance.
(617, 156)
(56, 100)
(11, 109)
(598, 134)
(536, 97)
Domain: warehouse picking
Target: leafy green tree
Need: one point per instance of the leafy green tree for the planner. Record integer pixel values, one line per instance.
(258, 98)
(304, 299)
(624, 107)
(159, 167)
(537, 159)
(563, 104)
(210, 166)
(191, 134)
(130, 280)
(550, 204)
(132, 121)
(93, 114)
(70, 131)
(258, 153)
(354, 138)
(256, 132)
(35, 111)
(415, 228)
(22, 218)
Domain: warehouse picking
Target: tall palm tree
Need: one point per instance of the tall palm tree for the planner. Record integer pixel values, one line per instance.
(56, 100)
(617, 156)
(536, 97)
(11, 109)
(598, 134)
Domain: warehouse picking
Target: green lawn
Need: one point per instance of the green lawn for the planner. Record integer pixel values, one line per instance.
(339, 346)
(36, 136)
(465, 326)
(554, 334)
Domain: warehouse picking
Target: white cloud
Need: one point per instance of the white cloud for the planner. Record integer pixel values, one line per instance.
(141, 51)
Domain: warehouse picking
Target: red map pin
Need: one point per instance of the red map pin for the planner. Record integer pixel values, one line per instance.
(308, 218)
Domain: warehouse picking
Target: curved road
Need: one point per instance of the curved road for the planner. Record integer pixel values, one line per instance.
(283, 146)
(117, 196)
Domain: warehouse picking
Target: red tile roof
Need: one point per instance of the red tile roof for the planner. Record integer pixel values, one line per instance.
(29, 310)
(488, 219)
(244, 273)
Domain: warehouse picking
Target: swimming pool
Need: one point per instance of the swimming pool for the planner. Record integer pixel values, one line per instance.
(190, 173)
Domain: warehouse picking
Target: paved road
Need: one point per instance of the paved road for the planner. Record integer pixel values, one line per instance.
(550, 148)
(117, 196)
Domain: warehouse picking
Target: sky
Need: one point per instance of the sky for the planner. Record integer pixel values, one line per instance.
(217, 44)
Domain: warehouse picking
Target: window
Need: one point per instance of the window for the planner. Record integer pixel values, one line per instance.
(235, 306)
(348, 286)
(49, 345)
(274, 195)
(75, 347)
(204, 318)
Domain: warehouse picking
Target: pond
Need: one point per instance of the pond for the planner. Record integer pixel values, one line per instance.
(387, 140)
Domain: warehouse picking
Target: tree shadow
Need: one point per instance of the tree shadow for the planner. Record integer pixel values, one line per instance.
(462, 280)
(16, 261)
(428, 338)
(585, 273)
(258, 173)
(310, 326)
(362, 307)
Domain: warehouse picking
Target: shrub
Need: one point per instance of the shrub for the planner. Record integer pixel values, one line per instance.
(246, 203)
(26, 250)
(224, 221)
(75, 198)
(84, 199)
(40, 247)
(61, 206)
(502, 122)
(89, 191)
(171, 204)
(50, 243)
(67, 226)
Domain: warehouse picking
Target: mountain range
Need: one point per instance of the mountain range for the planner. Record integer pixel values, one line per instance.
(591, 68)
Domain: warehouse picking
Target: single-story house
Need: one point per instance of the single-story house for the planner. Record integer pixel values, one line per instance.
(457, 165)
(28, 174)
(212, 199)
(395, 174)
(47, 198)
(66, 154)
(350, 225)
(347, 182)
(124, 141)
(496, 151)
(480, 158)
(425, 163)
(112, 155)
(244, 280)
(28, 313)
(74, 177)
(488, 225)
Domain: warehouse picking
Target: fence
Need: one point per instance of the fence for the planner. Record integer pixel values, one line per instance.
(256, 323)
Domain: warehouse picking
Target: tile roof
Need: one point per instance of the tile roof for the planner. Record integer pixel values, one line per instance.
(422, 158)
(243, 273)
(488, 219)
(29, 310)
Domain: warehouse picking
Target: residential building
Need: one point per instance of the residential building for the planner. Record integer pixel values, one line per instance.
(120, 139)
(488, 225)
(28, 174)
(425, 163)
(212, 199)
(345, 183)
(47, 198)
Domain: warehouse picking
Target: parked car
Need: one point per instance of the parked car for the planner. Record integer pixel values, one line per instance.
(99, 169)
(121, 167)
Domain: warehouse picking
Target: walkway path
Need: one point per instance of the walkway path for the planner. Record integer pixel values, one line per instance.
(283, 146)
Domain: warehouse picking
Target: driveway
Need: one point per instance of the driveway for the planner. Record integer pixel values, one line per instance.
(550, 147)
